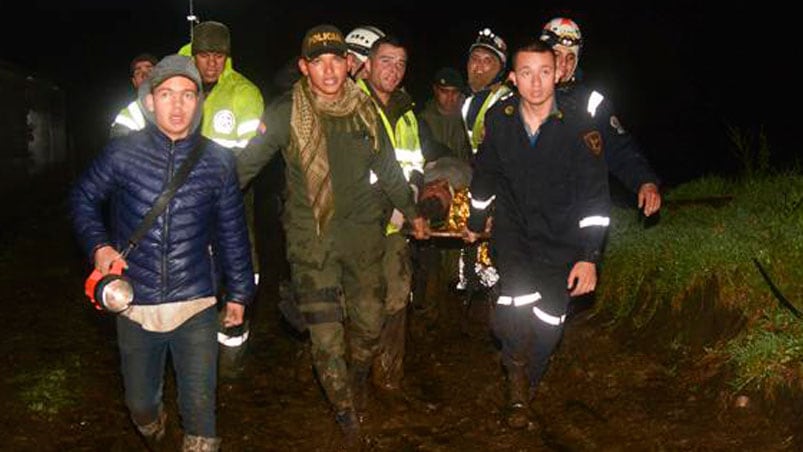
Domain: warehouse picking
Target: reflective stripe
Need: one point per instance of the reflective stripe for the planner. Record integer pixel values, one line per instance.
(481, 205)
(548, 318)
(593, 102)
(521, 300)
(410, 157)
(248, 127)
(594, 221)
(231, 143)
(136, 113)
(256, 279)
(372, 178)
(464, 114)
(232, 341)
(126, 122)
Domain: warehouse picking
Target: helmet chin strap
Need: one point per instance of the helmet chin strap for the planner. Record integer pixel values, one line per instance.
(357, 72)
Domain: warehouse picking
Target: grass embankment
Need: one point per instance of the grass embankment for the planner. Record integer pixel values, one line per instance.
(692, 276)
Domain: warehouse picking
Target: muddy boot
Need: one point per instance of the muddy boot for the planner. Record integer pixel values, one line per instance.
(153, 434)
(350, 426)
(518, 385)
(194, 443)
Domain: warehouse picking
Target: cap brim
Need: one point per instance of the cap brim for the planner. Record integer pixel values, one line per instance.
(333, 49)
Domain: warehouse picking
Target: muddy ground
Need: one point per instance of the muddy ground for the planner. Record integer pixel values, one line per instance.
(606, 389)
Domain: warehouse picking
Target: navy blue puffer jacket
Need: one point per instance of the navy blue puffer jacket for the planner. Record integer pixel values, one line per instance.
(174, 261)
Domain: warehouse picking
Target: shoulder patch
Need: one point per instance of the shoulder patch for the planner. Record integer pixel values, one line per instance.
(509, 110)
(223, 121)
(593, 141)
(617, 125)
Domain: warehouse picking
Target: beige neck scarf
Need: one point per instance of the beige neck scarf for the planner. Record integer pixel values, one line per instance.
(308, 140)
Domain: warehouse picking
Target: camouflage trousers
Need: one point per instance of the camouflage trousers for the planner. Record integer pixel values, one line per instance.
(341, 300)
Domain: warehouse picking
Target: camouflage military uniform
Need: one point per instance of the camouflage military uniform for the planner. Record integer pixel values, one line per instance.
(336, 273)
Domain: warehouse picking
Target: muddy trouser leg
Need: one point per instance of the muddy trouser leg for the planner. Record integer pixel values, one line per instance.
(194, 353)
(426, 281)
(388, 365)
(364, 287)
(320, 299)
(512, 325)
(547, 315)
(142, 362)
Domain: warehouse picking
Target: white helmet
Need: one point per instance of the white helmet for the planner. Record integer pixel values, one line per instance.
(361, 39)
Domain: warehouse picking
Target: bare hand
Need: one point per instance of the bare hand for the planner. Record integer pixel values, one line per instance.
(582, 279)
(469, 236)
(649, 198)
(234, 314)
(105, 256)
(420, 228)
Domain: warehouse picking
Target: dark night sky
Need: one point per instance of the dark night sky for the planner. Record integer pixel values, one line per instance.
(677, 73)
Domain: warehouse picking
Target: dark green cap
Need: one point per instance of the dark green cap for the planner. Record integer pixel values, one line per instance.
(211, 37)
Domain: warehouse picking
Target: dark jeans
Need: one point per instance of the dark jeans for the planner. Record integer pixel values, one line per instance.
(193, 348)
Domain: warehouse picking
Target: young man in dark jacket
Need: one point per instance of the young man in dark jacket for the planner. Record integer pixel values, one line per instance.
(173, 267)
(543, 167)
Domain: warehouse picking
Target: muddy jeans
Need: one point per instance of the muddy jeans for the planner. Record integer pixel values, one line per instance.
(193, 349)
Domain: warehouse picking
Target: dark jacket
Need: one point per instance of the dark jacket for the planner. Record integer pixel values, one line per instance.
(174, 261)
(550, 196)
(622, 152)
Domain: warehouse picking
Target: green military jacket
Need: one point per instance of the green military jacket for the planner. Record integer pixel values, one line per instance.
(352, 157)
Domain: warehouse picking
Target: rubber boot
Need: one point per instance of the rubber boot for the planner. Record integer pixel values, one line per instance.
(388, 366)
(194, 443)
(518, 387)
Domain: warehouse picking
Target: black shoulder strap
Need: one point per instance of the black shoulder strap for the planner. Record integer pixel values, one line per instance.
(164, 198)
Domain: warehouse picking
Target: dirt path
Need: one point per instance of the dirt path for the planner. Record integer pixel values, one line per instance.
(60, 388)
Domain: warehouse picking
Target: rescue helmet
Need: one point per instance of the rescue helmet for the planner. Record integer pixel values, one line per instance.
(361, 39)
(490, 41)
(562, 31)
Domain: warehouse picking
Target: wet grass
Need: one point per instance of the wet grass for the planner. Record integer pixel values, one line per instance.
(709, 232)
(50, 389)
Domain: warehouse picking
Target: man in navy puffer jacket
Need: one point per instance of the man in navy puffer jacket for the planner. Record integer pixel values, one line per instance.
(172, 269)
